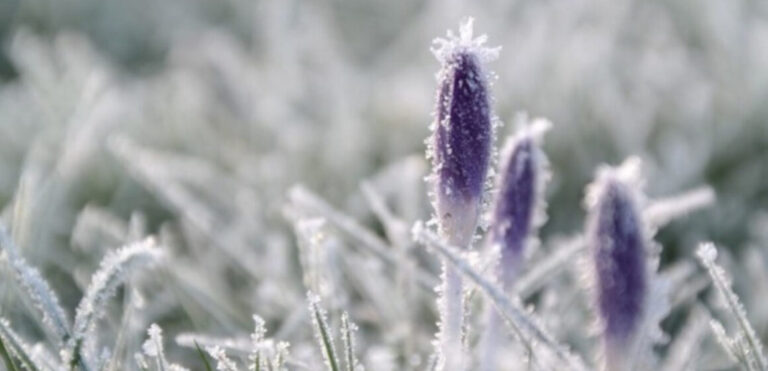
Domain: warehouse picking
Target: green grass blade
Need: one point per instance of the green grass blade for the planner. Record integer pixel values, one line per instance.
(9, 363)
(324, 337)
(16, 346)
(202, 357)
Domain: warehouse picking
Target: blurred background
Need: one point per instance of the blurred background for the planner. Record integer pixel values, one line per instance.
(192, 119)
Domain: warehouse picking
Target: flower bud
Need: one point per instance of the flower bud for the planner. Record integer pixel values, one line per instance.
(463, 133)
(616, 235)
(519, 203)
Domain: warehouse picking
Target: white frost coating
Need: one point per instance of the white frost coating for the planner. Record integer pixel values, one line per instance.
(280, 357)
(664, 210)
(38, 290)
(347, 338)
(531, 128)
(223, 363)
(311, 203)
(444, 48)
(628, 173)
(153, 347)
(16, 346)
(323, 332)
(257, 358)
(745, 346)
(722, 338)
(707, 253)
(114, 269)
(239, 344)
(528, 329)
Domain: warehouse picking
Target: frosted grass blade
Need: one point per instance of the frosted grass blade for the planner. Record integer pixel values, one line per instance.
(37, 289)
(17, 347)
(322, 333)
(512, 312)
(114, 269)
(750, 349)
(347, 338)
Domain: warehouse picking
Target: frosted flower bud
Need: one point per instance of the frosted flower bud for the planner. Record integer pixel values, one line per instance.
(460, 146)
(616, 235)
(519, 207)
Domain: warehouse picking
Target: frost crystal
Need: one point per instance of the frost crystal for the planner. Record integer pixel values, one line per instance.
(257, 358)
(223, 363)
(153, 347)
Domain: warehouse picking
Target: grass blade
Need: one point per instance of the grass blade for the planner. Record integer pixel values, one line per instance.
(16, 347)
(512, 312)
(753, 356)
(203, 358)
(37, 288)
(9, 363)
(322, 333)
(114, 269)
(347, 328)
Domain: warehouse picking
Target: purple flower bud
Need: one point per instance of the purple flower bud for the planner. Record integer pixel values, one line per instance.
(617, 238)
(460, 149)
(521, 185)
(463, 133)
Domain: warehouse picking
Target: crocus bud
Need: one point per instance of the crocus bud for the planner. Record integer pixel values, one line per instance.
(518, 210)
(463, 131)
(617, 238)
(460, 149)
(519, 207)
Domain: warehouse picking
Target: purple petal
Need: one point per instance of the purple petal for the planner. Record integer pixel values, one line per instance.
(616, 237)
(515, 204)
(463, 135)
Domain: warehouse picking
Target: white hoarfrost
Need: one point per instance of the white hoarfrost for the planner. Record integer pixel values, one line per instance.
(114, 269)
(744, 345)
(37, 289)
